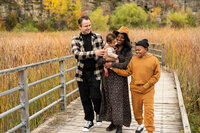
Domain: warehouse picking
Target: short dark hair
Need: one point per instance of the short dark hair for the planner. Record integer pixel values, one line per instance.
(80, 20)
(110, 37)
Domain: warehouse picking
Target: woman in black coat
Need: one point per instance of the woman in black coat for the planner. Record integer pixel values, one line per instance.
(115, 105)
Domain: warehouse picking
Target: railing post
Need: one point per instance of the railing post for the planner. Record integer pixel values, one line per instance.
(63, 88)
(153, 49)
(163, 57)
(24, 101)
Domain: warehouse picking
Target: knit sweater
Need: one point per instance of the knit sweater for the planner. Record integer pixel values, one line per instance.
(145, 72)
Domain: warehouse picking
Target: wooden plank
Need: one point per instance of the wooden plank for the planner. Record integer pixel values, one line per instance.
(186, 124)
(167, 113)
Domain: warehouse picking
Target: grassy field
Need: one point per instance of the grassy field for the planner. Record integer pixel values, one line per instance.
(18, 49)
(182, 48)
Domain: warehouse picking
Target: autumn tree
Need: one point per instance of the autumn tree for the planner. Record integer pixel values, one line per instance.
(2, 24)
(130, 15)
(98, 20)
(64, 10)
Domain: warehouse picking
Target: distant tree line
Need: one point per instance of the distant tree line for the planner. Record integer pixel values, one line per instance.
(65, 13)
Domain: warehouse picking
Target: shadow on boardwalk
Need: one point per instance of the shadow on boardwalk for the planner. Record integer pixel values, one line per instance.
(167, 113)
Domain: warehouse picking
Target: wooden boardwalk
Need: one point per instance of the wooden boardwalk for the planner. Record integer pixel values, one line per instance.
(167, 113)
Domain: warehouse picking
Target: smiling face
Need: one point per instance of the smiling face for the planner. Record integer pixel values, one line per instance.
(140, 51)
(85, 26)
(120, 39)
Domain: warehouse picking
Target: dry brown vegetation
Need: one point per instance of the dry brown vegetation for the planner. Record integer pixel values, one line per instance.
(182, 48)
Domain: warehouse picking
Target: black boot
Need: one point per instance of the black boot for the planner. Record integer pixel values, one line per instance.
(119, 129)
(111, 127)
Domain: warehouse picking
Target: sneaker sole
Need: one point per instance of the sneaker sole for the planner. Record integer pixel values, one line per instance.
(99, 124)
(87, 130)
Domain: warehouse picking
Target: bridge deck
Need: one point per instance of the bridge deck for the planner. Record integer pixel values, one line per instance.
(167, 113)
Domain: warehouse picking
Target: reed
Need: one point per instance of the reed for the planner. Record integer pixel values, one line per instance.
(182, 54)
(182, 48)
(18, 49)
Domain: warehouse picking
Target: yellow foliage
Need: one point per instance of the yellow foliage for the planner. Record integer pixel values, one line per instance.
(65, 10)
(58, 7)
(74, 15)
(156, 11)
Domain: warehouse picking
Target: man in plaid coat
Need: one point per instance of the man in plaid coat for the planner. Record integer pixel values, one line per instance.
(87, 48)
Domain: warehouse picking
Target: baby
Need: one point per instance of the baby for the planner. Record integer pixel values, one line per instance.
(110, 49)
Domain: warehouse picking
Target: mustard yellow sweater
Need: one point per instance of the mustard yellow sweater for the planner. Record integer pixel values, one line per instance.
(145, 72)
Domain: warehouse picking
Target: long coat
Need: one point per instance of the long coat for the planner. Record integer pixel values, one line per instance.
(115, 105)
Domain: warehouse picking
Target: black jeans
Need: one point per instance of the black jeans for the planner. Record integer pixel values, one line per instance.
(90, 94)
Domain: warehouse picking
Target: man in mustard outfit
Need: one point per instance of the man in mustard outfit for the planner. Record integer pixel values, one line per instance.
(145, 72)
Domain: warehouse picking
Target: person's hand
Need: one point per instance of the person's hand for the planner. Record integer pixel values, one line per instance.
(105, 55)
(117, 60)
(100, 52)
(145, 87)
(108, 64)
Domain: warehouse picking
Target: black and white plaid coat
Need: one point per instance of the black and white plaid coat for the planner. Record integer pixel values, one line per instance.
(80, 54)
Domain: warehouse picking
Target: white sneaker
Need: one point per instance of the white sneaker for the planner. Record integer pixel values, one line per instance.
(89, 125)
(139, 128)
(99, 124)
(98, 121)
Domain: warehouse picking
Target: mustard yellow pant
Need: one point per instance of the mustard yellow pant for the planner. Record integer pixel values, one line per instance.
(138, 100)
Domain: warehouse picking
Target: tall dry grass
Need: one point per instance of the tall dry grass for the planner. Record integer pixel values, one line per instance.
(18, 49)
(181, 53)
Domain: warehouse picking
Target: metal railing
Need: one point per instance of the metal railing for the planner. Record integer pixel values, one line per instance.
(156, 49)
(23, 91)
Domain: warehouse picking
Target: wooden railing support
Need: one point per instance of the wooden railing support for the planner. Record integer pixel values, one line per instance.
(63, 88)
(23, 90)
(163, 58)
(24, 101)
(153, 49)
